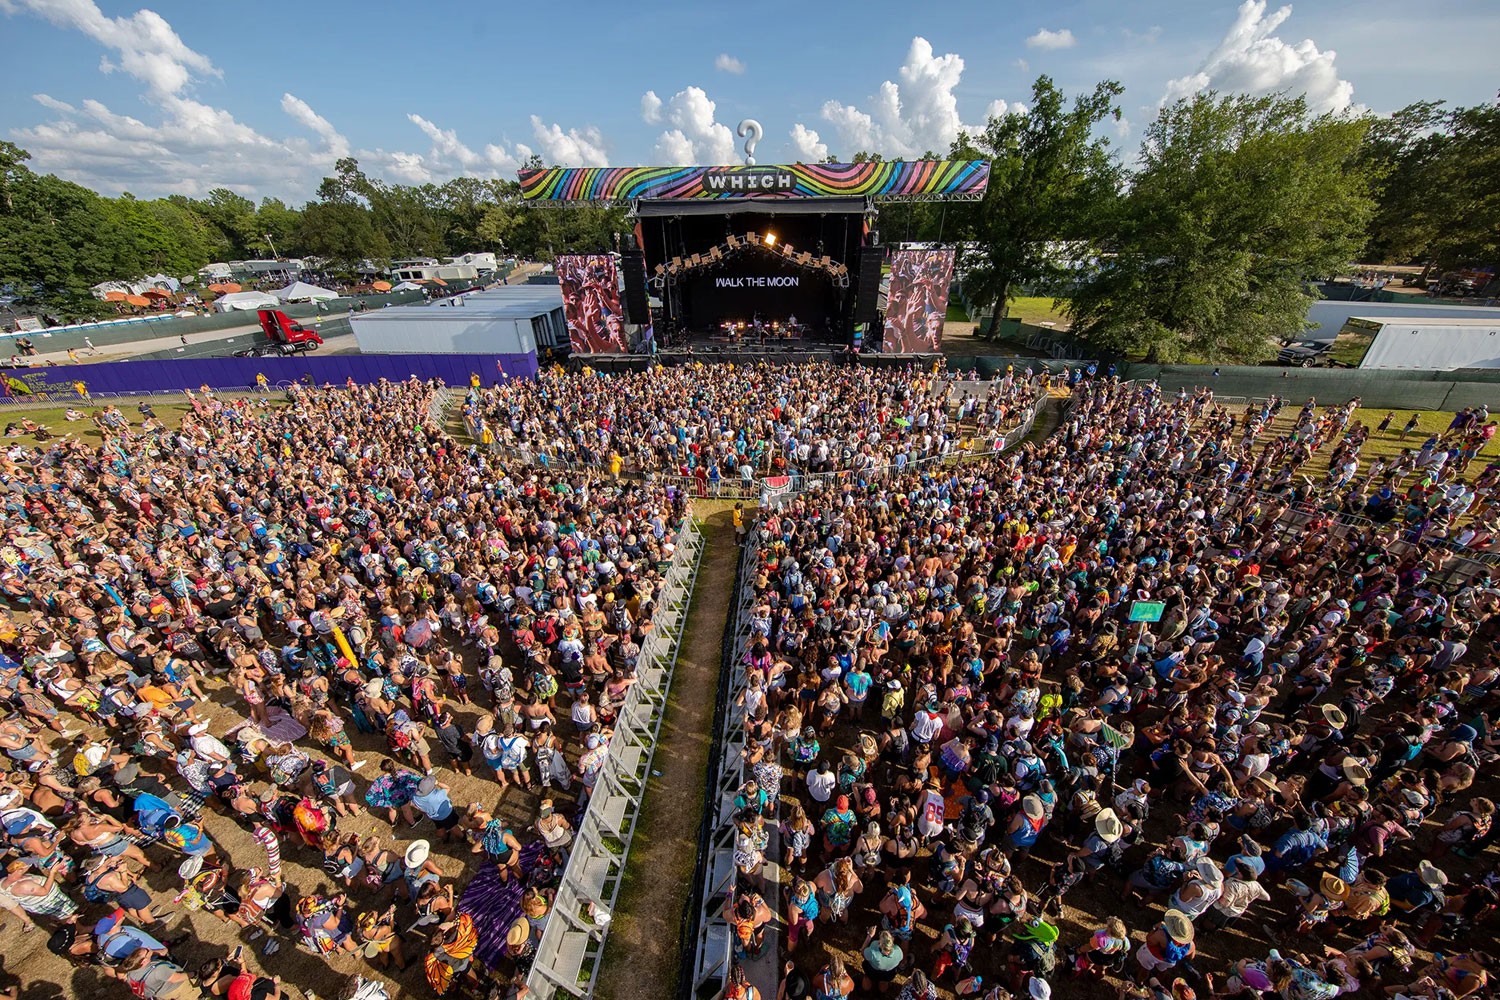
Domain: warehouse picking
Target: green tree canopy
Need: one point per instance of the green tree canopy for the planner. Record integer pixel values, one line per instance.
(1053, 178)
(1437, 175)
(1235, 205)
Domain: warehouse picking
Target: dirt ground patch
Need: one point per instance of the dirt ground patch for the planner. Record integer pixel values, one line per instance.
(643, 955)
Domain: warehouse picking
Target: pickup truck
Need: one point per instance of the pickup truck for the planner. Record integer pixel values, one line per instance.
(1305, 353)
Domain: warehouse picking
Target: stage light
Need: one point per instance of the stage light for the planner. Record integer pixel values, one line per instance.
(770, 239)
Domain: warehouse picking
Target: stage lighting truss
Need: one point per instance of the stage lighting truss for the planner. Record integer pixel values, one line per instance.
(734, 245)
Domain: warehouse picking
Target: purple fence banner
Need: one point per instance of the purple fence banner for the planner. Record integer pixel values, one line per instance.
(125, 377)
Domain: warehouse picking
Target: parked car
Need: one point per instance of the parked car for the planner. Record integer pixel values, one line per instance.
(1305, 353)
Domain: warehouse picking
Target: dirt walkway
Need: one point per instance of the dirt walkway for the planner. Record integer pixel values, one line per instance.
(642, 958)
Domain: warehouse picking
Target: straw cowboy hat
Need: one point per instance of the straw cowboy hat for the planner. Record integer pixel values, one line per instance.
(1108, 826)
(1354, 771)
(1432, 875)
(1334, 717)
(1333, 887)
(519, 933)
(1032, 807)
(1179, 926)
(417, 852)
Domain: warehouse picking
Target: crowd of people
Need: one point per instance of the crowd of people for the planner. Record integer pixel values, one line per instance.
(1062, 718)
(204, 623)
(724, 422)
(293, 674)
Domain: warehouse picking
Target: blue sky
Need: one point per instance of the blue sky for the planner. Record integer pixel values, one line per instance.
(182, 97)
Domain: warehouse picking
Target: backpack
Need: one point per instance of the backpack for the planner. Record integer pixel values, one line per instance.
(92, 891)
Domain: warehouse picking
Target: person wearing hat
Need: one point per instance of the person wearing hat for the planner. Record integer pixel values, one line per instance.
(1100, 845)
(418, 868)
(433, 801)
(1330, 895)
(1240, 891)
(1169, 943)
(553, 827)
(1420, 891)
(1201, 889)
(1025, 826)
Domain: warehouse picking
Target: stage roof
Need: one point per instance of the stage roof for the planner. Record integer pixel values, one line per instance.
(768, 206)
(891, 180)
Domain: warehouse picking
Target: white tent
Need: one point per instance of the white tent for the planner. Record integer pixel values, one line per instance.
(407, 286)
(162, 281)
(246, 301)
(301, 291)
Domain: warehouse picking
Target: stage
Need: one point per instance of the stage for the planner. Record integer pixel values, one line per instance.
(760, 260)
(791, 271)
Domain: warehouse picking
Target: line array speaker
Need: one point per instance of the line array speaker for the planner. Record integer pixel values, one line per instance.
(866, 304)
(633, 265)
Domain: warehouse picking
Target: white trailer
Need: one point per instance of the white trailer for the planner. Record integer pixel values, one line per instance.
(512, 319)
(1421, 343)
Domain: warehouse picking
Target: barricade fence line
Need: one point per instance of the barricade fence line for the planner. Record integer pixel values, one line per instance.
(715, 934)
(567, 956)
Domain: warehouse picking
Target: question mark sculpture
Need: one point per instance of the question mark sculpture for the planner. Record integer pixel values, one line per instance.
(751, 132)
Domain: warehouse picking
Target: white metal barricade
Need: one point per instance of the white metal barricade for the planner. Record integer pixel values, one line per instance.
(714, 947)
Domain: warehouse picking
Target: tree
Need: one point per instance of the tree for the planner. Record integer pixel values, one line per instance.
(1437, 175)
(1399, 154)
(1236, 204)
(1052, 179)
(275, 220)
(341, 232)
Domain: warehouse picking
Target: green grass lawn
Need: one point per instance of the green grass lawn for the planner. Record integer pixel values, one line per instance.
(1381, 444)
(956, 313)
(1038, 309)
(54, 418)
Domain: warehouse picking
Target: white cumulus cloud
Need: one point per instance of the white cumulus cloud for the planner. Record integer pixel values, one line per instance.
(650, 108)
(808, 145)
(191, 147)
(572, 147)
(918, 115)
(695, 136)
(302, 113)
(727, 63)
(1252, 60)
(1044, 39)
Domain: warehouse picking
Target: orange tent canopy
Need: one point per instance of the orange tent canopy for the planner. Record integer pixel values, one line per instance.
(381, 286)
(137, 300)
(156, 293)
(224, 288)
(439, 281)
(114, 296)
